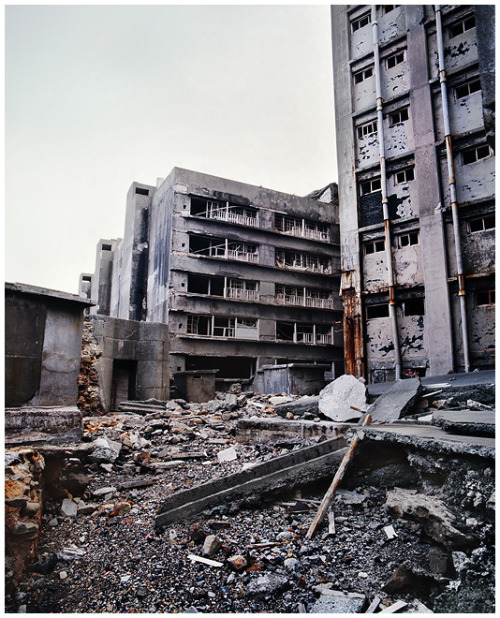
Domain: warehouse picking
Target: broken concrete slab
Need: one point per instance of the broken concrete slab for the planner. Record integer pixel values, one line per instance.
(338, 602)
(303, 407)
(344, 399)
(396, 402)
(438, 522)
(466, 422)
(290, 470)
(257, 429)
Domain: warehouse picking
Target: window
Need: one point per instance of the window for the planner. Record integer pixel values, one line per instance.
(377, 311)
(401, 115)
(395, 59)
(86, 278)
(375, 246)
(476, 154)
(483, 223)
(462, 26)
(404, 176)
(406, 240)
(301, 227)
(141, 191)
(387, 8)
(302, 261)
(360, 76)
(414, 306)
(370, 186)
(285, 331)
(223, 211)
(361, 22)
(369, 128)
(106, 247)
(247, 322)
(464, 90)
(484, 298)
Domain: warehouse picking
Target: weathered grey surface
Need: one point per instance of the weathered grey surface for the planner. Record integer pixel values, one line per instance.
(396, 402)
(34, 424)
(296, 468)
(299, 407)
(336, 602)
(257, 429)
(431, 513)
(340, 397)
(465, 422)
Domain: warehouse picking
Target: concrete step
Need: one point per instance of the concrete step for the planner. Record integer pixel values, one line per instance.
(296, 468)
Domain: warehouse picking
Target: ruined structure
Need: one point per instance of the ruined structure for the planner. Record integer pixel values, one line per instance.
(243, 276)
(416, 187)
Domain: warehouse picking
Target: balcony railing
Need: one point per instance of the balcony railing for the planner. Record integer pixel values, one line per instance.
(289, 299)
(324, 339)
(242, 294)
(244, 257)
(231, 217)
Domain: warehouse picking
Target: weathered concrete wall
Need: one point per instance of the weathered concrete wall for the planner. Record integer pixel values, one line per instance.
(42, 360)
(101, 281)
(142, 342)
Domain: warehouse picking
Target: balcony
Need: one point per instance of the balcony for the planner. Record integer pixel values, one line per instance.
(238, 294)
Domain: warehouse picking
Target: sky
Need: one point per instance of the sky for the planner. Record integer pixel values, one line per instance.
(97, 97)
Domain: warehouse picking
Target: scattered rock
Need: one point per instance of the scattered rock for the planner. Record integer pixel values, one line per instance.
(344, 399)
(69, 508)
(211, 545)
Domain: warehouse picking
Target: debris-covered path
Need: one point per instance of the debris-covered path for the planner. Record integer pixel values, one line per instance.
(108, 556)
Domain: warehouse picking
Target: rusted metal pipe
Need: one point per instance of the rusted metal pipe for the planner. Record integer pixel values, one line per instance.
(383, 185)
(452, 187)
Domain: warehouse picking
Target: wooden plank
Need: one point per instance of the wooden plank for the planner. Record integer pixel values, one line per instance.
(373, 606)
(395, 607)
(331, 522)
(206, 561)
(330, 494)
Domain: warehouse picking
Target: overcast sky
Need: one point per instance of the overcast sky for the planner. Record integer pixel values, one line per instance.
(100, 96)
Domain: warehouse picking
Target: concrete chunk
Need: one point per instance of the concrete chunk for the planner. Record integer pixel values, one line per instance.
(344, 399)
(397, 401)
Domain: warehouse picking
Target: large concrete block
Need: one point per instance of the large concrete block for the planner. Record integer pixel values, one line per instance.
(397, 401)
(343, 399)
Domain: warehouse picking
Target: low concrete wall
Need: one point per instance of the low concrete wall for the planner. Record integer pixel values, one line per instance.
(43, 339)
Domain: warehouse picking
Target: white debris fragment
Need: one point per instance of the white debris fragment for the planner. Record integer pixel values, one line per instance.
(228, 454)
(390, 532)
(206, 561)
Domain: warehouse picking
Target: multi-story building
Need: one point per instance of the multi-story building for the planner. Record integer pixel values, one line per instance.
(243, 276)
(416, 187)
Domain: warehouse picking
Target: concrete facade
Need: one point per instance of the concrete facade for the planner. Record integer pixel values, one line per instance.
(243, 276)
(400, 224)
(43, 340)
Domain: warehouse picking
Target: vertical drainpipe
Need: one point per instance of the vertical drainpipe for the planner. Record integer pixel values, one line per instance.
(453, 189)
(383, 185)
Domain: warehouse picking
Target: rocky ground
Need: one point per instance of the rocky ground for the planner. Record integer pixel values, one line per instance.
(100, 552)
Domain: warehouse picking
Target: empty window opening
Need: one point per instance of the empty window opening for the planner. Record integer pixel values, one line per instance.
(296, 226)
(484, 298)
(404, 176)
(302, 261)
(360, 76)
(406, 240)
(106, 247)
(86, 278)
(242, 289)
(401, 115)
(370, 186)
(414, 306)
(285, 331)
(377, 311)
(476, 154)
(395, 59)
(141, 191)
(374, 246)
(462, 26)
(464, 90)
(361, 22)
(387, 8)
(199, 325)
(370, 128)
(483, 223)
(201, 284)
(223, 211)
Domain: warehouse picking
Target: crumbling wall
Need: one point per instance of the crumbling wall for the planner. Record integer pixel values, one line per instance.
(89, 391)
(23, 511)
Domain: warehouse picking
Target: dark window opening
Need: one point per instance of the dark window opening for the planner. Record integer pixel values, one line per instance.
(207, 246)
(387, 8)
(462, 26)
(141, 191)
(377, 311)
(85, 278)
(370, 186)
(484, 298)
(404, 176)
(374, 246)
(362, 75)
(465, 89)
(395, 59)
(476, 154)
(367, 129)
(361, 22)
(401, 115)
(106, 247)
(414, 306)
(201, 284)
(406, 240)
(233, 367)
(284, 331)
(483, 223)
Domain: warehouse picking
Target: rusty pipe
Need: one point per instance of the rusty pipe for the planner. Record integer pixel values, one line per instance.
(453, 188)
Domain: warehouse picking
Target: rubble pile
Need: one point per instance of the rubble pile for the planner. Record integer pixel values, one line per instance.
(425, 546)
(89, 397)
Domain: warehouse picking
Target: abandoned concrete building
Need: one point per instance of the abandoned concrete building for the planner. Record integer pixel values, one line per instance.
(246, 278)
(414, 100)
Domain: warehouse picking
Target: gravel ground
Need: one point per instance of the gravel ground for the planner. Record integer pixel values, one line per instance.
(114, 560)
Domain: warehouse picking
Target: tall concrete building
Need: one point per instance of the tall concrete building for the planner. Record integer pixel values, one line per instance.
(244, 277)
(415, 141)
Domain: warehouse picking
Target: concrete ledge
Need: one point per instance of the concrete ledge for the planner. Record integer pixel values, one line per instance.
(33, 425)
(256, 429)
